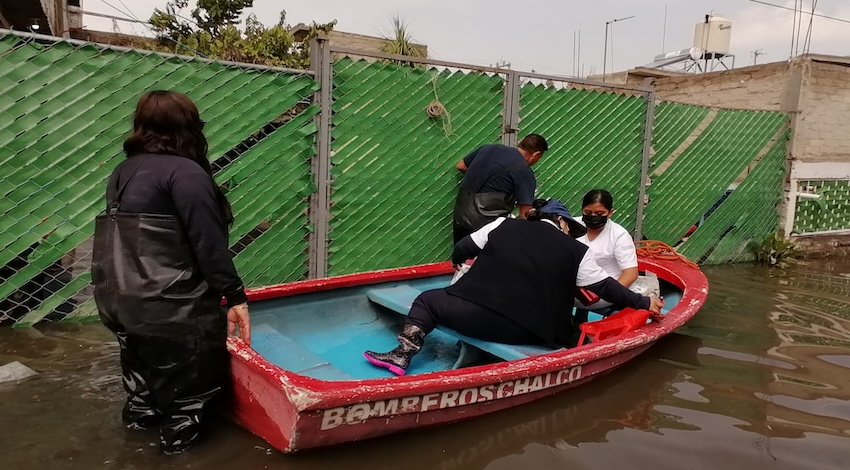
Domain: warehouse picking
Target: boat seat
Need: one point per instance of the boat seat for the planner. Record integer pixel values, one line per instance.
(287, 354)
(400, 298)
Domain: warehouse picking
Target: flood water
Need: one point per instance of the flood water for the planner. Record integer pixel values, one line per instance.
(759, 379)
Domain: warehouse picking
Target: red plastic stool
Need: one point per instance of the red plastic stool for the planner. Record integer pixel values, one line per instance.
(621, 322)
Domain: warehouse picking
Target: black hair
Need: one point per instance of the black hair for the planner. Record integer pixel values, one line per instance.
(598, 195)
(168, 123)
(539, 203)
(533, 143)
(535, 214)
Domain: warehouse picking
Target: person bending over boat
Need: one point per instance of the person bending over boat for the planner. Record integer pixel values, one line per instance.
(496, 179)
(160, 267)
(612, 247)
(519, 291)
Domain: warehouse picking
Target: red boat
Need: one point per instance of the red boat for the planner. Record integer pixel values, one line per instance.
(305, 383)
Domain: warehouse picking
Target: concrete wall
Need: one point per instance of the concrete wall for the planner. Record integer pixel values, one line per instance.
(822, 131)
(815, 90)
(759, 88)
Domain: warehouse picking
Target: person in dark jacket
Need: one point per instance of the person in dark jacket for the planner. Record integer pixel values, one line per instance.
(161, 267)
(519, 291)
(496, 179)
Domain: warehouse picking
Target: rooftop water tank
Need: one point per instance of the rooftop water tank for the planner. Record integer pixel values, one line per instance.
(713, 35)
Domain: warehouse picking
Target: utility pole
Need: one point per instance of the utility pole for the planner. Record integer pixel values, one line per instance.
(501, 65)
(756, 53)
(605, 54)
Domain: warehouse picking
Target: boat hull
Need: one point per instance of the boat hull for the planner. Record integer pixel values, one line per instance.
(293, 412)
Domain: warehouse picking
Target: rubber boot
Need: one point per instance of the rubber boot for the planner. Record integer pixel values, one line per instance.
(179, 433)
(183, 427)
(139, 416)
(138, 413)
(410, 341)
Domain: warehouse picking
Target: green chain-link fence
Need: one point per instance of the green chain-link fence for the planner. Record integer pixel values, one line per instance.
(394, 176)
(700, 155)
(67, 108)
(595, 140)
(831, 211)
(65, 111)
(748, 215)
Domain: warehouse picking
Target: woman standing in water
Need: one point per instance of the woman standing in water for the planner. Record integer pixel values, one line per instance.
(160, 268)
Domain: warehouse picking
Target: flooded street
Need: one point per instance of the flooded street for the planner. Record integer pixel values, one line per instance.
(760, 378)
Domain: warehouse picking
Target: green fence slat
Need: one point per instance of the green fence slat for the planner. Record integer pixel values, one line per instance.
(55, 300)
(830, 212)
(66, 111)
(700, 175)
(394, 176)
(748, 215)
(674, 122)
(595, 141)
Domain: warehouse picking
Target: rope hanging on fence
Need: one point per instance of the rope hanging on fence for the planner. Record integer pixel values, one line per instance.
(660, 250)
(437, 110)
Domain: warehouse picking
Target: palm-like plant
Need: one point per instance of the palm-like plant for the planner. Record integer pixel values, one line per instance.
(399, 40)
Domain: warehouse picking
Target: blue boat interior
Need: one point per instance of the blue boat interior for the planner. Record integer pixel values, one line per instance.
(324, 334)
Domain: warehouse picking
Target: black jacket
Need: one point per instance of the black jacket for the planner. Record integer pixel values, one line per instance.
(160, 260)
(527, 271)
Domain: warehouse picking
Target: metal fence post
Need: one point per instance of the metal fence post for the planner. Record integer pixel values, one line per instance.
(320, 165)
(510, 111)
(649, 122)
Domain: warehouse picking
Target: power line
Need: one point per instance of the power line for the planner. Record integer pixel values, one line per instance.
(119, 10)
(807, 43)
(145, 24)
(109, 17)
(842, 20)
(794, 25)
(799, 27)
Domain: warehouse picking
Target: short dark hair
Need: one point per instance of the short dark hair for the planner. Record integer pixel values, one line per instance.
(533, 143)
(539, 203)
(598, 195)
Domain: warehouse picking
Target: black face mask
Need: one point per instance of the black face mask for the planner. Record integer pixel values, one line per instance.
(594, 221)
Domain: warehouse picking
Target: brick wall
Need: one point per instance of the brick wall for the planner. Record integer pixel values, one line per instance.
(823, 129)
(759, 87)
(815, 87)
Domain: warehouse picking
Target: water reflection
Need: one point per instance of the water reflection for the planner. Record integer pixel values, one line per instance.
(757, 380)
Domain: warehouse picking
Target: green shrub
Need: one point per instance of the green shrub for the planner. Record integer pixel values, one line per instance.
(775, 250)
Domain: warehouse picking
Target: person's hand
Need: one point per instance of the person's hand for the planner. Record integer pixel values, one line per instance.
(655, 304)
(237, 316)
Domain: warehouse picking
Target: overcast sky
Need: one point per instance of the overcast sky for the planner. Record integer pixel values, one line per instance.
(539, 34)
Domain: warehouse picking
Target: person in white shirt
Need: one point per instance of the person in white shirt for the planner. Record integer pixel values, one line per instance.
(519, 291)
(611, 244)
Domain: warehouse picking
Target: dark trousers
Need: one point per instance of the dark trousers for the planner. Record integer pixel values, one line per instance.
(174, 372)
(438, 307)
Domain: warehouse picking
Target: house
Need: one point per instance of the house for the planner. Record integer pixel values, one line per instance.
(51, 17)
(349, 40)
